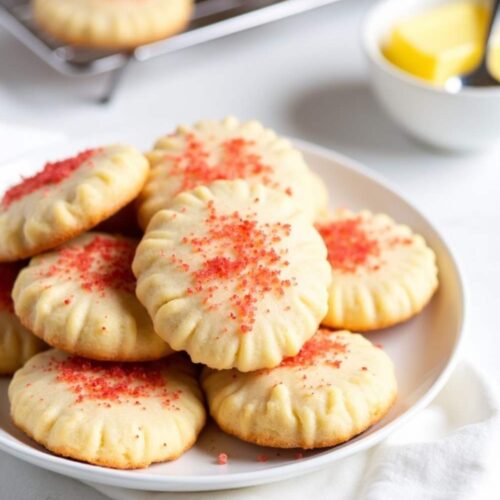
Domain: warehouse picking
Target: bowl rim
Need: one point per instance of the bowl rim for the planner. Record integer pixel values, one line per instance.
(372, 49)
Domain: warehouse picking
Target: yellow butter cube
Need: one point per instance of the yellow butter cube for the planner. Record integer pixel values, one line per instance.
(440, 43)
(494, 59)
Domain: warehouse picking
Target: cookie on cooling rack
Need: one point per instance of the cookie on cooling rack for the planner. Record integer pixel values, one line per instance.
(125, 416)
(382, 272)
(111, 24)
(234, 274)
(67, 198)
(335, 388)
(17, 344)
(227, 149)
(81, 298)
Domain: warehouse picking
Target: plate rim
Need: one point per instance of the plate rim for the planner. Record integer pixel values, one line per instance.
(152, 482)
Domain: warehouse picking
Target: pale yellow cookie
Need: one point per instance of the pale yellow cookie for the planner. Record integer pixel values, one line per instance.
(125, 416)
(112, 24)
(335, 388)
(227, 149)
(67, 198)
(234, 274)
(17, 344)
(81, 298)
(382, 272)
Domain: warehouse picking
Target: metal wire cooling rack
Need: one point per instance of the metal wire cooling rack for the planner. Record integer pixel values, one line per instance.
(212, 19)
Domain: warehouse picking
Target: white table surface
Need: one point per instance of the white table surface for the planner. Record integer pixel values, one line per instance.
(306, 77)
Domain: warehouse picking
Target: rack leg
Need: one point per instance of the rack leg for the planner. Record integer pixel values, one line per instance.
(113, 82)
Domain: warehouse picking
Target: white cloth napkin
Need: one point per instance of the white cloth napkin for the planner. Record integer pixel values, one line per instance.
(447, 452)
(450, 451)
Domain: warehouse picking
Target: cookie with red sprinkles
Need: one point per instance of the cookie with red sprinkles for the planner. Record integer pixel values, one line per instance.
(226, 150)
(233, 273)
(382, 272)
(120, 415)
(68, 197)
(17, 344)
(111, 24)
(336, 387)
(81, 298)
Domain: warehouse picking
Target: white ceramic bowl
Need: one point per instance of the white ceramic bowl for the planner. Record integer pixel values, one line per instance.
(466, 121)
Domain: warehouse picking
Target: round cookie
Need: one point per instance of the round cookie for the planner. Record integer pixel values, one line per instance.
(112, 24)
(382, 273)
(335, 388)
(17, 344)
(67, 198)
(125, 416)
(234, 274)
(228, 150)
(81, 298)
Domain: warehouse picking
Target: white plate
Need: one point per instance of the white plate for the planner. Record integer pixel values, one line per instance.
(423, 349)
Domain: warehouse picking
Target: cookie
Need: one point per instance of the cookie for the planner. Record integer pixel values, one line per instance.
(67, 198)
(121, 415)
(17, 344)
(111, 24)
(81, 298)
(234, 274)
(227, 149)
(334, 389)
(382, 272)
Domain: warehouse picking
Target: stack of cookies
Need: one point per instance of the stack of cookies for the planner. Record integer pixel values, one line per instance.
(240, 288)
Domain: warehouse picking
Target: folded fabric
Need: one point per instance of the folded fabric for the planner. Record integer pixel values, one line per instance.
(446, 452)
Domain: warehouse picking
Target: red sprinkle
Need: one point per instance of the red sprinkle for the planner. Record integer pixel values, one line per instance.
(8, 274)
(246, 257)
(262, 458)
(298, 456)
(234, 160)
(320, 346)
(222, 459)
(349, 246)
(336, 363)
(116, 382)
(52, 173)
(103, 263)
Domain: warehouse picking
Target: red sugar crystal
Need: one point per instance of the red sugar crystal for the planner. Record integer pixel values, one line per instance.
(234, 160)
(52, 173)
(336, 363)
(319, 347)
(222, 459)
(116, 382)
(349, 246)
(103, 263)
(245, 257)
